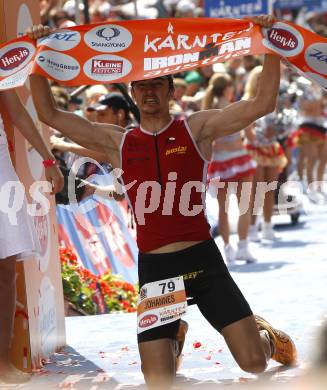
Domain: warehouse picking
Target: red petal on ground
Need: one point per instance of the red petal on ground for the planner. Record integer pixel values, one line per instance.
(197, 344)
(208, 357)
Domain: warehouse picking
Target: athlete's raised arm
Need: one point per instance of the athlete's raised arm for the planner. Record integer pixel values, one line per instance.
(100, 137)
(104, 138)
(211, 124)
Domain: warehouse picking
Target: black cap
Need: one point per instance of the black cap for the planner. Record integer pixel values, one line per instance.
(110, 100)
(75, 100)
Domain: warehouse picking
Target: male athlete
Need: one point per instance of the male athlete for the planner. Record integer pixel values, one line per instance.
(164, 164)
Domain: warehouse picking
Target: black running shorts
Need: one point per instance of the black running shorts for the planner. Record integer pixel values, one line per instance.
(207, 282)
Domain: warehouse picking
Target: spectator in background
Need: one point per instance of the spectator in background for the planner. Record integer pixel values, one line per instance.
(250, 62)
(112, 108)
(92, 95)
(46, 7)
(185, 9)
(74, 105)
(99, 11)
(312, 141)
(70, 8)
(59, 18)
(194, 80)
(271, 160)
(232, 165)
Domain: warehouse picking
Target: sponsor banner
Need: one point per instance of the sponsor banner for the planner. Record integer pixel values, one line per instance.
(100, 237)
(134, 50)
(160, 303)
(236, 8)
(294, 4)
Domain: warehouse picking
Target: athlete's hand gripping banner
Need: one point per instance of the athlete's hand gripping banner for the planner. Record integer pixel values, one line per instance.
(133, 50)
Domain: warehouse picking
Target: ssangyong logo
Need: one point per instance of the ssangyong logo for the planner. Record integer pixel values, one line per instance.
(283, 39)
(108, 38)
(108, 33)
(107, 67)
(13, 58)
(316, 57)
(148, 320)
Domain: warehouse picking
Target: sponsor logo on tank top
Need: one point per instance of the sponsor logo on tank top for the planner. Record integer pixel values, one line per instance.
(177, 150)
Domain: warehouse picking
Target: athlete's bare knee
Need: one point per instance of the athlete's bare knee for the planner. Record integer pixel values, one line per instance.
(254, 363)
(158, 363)
(156, 381)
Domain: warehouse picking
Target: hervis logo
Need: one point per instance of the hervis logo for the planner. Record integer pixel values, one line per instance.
(148, 320)
(14, 57)
(283, 39)
(316, 57)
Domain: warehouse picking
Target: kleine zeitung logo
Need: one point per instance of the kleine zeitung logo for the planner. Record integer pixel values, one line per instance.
(283, 39)
(316, 57)
(109, 38)
(107, 67)
(14, 57)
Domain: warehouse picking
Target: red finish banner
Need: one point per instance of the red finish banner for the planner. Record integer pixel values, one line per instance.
(122, 51)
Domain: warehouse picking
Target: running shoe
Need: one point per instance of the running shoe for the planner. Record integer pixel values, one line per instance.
(230, 255)
(284, 348)
(254, 234)
(243, 252)
(268, 233)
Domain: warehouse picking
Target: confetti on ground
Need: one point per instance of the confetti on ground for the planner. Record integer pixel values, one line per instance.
(197, 344)
(208, 357)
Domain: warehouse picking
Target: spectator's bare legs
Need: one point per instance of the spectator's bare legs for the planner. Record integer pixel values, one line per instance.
(301, 163)
(7, 312)
(311, 153)
(322, 153)
(243, 194)
(257, 178)
(8, 373)
(223, 203)
(270, 175)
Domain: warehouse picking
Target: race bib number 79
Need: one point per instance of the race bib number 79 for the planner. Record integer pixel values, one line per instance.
(160, 303)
